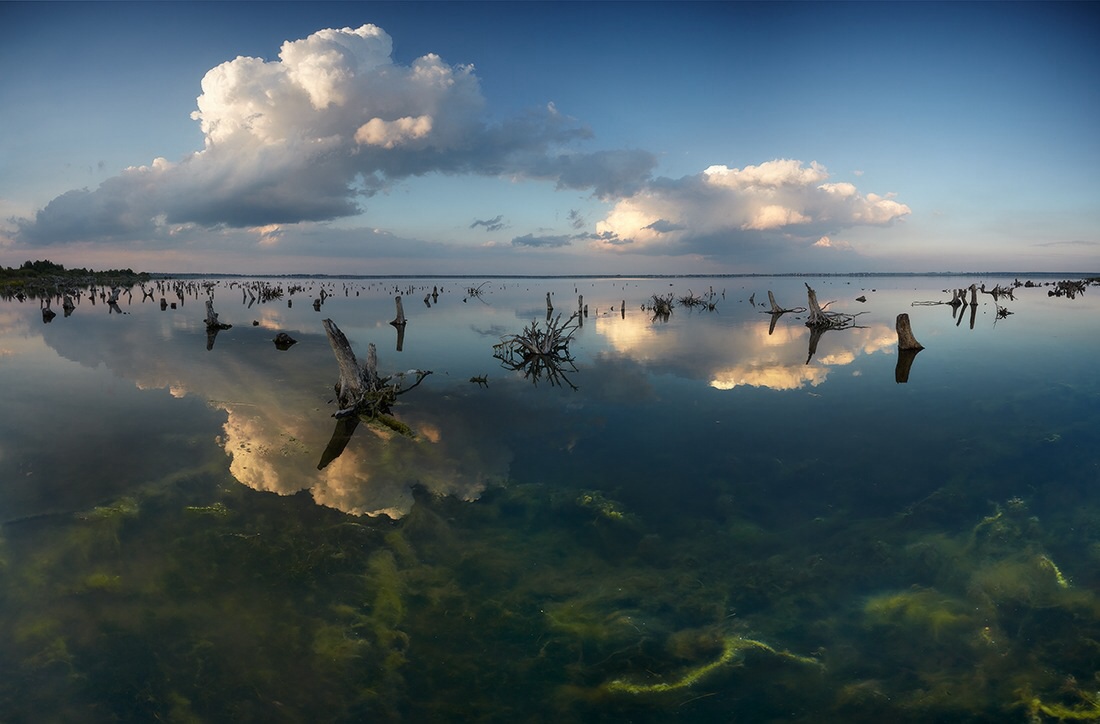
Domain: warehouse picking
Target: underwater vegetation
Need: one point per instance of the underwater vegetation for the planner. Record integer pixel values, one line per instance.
(202, 600)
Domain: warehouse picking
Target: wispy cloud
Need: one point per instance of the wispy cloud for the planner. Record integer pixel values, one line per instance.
(542, 241)
(333, 121)
(493, 224)
(1074, 242)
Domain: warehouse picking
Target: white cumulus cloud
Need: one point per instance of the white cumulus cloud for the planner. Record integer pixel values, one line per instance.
(777, 203)
(307, 136)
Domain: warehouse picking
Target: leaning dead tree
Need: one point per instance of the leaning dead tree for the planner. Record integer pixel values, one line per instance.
(541, 352)
(360, 390)
(776, 311)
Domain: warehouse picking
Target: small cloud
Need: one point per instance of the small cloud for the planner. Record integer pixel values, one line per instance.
(827, 243)
(269, 234)
(545, 242)
(1074, 242)
(493, 224)
(576, 220)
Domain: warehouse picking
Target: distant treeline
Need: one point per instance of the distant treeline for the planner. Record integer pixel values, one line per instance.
(37, 272)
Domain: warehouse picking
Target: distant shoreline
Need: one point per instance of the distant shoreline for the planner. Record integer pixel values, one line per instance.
(1022, 274)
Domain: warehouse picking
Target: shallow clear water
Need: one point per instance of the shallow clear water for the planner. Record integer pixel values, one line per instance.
(717, 523)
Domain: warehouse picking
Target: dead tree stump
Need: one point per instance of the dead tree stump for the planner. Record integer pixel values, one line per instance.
(906, 340)
(399, 320)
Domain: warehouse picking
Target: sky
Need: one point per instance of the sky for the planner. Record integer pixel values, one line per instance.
(550, 138)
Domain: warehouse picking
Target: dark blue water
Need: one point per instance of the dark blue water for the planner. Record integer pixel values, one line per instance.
(709, 518)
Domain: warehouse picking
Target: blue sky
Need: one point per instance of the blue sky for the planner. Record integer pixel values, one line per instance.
(550, 138)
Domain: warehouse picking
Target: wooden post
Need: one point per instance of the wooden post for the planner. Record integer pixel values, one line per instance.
(549, 304)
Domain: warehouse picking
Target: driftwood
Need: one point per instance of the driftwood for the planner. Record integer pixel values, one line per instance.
(475, 292)
(776, 311)
(212, 318)
(539, 352)
(660, 306)
(821, 318)
(360, 390)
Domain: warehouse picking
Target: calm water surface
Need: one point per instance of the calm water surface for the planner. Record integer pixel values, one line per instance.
(708, 518)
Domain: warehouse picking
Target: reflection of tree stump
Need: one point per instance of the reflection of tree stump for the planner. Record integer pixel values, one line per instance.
(905, 363)
(908, 346)
(906, 340)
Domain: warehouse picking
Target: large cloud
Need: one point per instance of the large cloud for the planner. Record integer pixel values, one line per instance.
(334, 119)
(725, 208)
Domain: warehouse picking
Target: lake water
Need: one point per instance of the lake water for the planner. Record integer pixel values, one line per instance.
(702, 519)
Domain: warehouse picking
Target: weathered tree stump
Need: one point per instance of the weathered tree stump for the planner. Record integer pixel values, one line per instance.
(399, 320)
(906, 340)
(908, 346)
(212, 317)
(360, 390)
(819, 318)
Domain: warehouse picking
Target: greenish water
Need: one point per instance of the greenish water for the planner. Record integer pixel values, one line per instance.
(708, 528)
